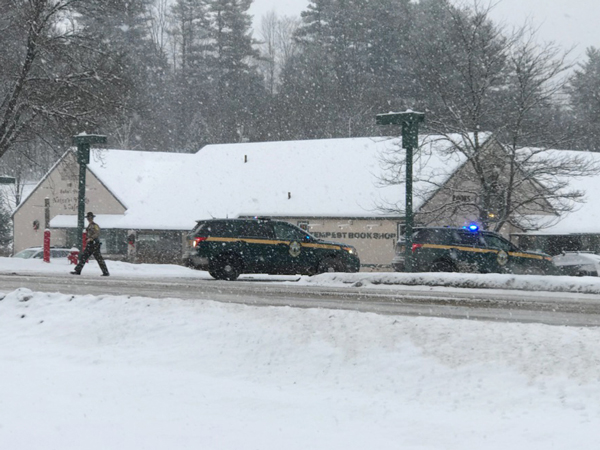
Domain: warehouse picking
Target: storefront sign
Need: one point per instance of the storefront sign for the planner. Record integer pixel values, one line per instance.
(348, 235)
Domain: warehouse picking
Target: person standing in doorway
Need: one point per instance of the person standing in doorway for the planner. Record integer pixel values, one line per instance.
(92, 247)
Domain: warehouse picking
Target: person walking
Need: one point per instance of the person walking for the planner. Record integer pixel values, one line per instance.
(92, 247)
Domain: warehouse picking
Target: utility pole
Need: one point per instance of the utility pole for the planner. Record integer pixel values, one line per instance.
(83, 142)
(410, 140)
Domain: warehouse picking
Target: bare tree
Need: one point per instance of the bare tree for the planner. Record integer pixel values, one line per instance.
(277, 46)
(159, 25)
(50, 79)
(478, 81)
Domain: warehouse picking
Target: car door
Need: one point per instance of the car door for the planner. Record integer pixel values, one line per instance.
(504, 259)
(256, 238)
(473, 255)
(293, 255)
(521, 262)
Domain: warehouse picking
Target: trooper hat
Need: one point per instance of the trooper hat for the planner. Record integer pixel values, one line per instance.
(90, 214)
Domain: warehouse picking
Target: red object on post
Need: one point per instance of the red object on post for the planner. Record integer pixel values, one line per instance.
(73, 257)
(47, 245)
(83, 241)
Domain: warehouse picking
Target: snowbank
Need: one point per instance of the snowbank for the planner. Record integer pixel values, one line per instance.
(85, 372)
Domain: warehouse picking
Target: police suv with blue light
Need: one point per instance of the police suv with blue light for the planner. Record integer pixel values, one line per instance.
(469, 249)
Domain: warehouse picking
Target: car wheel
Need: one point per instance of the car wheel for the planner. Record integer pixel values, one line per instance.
(226, 268)
(442, 266)
(328, 265)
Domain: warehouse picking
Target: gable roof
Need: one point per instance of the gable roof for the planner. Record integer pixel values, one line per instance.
(585, 217)
(130, 174)
(326, 178)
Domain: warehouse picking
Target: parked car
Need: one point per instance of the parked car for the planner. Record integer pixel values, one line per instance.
(578, 263)
(38, 253)
(451, 249)
(230, 247)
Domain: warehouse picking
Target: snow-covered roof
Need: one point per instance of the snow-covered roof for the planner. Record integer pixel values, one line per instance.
(130, 174)
(585, 218)
(325, 178)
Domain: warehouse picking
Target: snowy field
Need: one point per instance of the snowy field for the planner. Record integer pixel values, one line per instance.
(109, 372)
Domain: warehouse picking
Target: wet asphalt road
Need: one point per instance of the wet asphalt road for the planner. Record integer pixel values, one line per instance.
(474, 304)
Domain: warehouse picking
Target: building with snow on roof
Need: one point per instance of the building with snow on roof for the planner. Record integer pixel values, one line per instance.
(337, 189)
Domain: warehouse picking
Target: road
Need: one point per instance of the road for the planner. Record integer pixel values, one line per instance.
(476, 304)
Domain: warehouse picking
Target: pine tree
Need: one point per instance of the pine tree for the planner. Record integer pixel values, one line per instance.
(351, 61)
(121, 30)
(585, 100)
(237, 94)
(191, 85)
(5, 227)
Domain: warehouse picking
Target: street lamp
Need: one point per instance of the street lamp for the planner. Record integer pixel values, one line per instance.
(410, 139)
(83, 142)
(7, 180)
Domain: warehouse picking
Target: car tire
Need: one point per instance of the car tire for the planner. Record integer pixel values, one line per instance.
(226, 267)
(328, 265)
(442, 266)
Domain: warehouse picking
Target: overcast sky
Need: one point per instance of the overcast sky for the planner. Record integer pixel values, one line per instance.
(567, 22)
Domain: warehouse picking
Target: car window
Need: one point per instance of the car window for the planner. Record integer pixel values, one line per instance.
(25, 253)
(432, 236)
(498, 242)
(471, 239)
(59, 253)
(287, 232)
(255, 229)
(197, 231)
(218, 229)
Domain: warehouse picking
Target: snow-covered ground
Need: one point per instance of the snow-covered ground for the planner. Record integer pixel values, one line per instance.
(98, 372)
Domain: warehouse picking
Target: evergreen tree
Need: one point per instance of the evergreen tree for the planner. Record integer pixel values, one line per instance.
(237, 91)
(351, 62)
(191, 87)
(5, 227)
(585, 100)
(121, 30)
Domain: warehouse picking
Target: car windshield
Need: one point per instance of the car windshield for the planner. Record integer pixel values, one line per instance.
(288, 232)
(27, 253)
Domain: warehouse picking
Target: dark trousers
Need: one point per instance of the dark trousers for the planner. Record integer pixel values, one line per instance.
(91, 249)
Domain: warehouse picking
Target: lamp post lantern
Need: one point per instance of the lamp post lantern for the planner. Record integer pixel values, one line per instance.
(83, 142)
(7, 180)
(409, 121)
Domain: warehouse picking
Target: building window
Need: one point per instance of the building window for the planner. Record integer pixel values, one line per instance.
(113, 241)
(303, 224)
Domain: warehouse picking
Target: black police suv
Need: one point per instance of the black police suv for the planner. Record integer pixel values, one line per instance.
(450, 249)
(230, 247)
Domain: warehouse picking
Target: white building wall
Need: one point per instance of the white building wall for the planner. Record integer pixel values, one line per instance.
(374, 238)
(61, 187)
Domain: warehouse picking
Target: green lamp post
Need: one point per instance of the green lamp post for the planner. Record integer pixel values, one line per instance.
(410, 140)
(83, 142)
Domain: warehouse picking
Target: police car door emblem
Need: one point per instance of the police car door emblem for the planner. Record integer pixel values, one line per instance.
(502, 257)
(295, 248)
